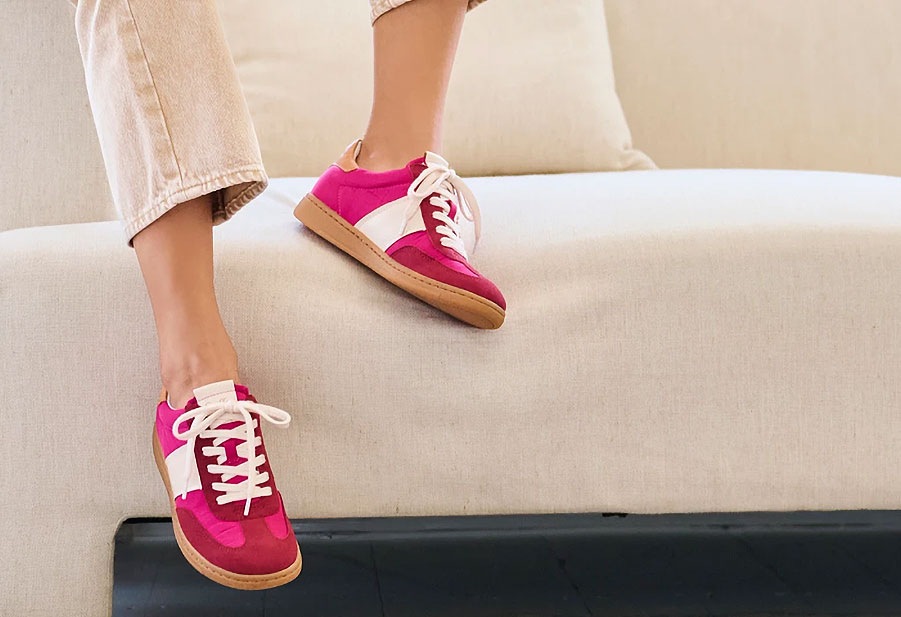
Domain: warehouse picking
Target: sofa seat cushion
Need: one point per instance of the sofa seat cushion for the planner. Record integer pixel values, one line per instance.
(676, 341)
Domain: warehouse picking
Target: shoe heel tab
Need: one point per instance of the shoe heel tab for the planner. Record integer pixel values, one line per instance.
(348, 160)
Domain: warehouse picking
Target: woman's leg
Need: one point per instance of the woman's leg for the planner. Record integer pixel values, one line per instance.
(414, 47)
(401, 216)
(176, 258)
(181, 156)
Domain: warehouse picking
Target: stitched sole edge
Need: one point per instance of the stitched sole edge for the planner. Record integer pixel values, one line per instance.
(464, 305)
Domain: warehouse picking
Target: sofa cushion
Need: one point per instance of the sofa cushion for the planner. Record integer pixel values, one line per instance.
(681, 341)
(684, 340)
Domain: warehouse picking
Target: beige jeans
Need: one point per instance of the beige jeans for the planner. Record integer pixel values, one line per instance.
(169, 111)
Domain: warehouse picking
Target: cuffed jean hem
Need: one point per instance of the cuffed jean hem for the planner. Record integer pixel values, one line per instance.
(233, 190)
(377, 8)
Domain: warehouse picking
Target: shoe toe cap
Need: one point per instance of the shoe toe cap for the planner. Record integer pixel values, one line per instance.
(262, 551)
(475, 283)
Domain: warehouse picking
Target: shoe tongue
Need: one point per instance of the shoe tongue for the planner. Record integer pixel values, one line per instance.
(430, 159)
(433, 159)
(224, 392)
(218, 392)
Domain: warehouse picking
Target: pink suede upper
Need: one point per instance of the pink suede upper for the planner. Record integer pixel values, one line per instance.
(227, 533)
(261, 542)
(165, 418)
(354, 194)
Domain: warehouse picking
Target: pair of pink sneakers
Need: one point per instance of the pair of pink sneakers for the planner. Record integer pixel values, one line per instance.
(228, 515)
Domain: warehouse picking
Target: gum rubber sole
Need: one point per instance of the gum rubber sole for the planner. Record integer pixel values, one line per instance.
(464, 305)
(212, 572)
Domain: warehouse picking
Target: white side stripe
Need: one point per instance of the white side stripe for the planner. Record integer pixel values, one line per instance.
(175, 463)
(385, 225)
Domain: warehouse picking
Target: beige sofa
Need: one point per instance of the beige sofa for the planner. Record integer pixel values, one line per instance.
(677, 341)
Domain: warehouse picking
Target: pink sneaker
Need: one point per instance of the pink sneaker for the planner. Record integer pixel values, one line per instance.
(229, 518)
(404, 225)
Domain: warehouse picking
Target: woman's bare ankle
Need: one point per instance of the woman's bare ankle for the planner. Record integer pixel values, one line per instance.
(378, 156)
(181, 374)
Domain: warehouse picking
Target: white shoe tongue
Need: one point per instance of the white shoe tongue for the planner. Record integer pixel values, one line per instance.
(432, 159)
(219, 392)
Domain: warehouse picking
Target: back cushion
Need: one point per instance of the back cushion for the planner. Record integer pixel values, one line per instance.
(532, 88)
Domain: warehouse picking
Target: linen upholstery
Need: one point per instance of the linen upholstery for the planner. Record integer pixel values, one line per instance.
(677, 341)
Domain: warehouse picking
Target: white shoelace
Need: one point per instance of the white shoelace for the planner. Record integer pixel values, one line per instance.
(438, 178)
(205, 421)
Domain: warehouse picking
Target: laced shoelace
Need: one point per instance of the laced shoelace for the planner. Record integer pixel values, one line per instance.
(205, 421)
(438, 178)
